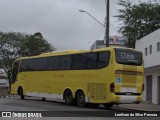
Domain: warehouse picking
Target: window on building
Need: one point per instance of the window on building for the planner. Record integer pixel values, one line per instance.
(146, 51)
(158, 46)
(150, 49)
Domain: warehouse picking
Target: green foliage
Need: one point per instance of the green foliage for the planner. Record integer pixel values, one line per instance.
(35, 45)
(138, 20)
(14, 45)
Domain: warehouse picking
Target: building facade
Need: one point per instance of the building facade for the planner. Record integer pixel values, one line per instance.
(113, 41)
(150, 47)
(97, 44)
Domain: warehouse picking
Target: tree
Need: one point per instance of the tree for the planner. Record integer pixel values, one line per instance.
(138, 20)
(9, 47)
(35, 45)
(14, 45)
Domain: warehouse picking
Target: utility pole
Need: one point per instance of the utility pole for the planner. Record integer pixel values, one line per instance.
(107, 23)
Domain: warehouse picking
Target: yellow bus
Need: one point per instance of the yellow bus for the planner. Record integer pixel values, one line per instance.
(106, 76)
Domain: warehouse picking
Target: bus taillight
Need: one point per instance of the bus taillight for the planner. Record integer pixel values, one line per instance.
(142, 87)
(112, 87)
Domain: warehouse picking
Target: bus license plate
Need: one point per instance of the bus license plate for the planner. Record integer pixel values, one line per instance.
(128, 93)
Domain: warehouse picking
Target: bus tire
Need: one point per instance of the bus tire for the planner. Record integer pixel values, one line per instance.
(80, 99)
(108, 105)
(68, 97)
(21, 93)
(43, 99)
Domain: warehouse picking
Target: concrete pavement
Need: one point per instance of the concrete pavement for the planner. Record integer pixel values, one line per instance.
(143, 106)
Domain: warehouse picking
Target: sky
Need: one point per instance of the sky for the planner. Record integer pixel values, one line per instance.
(59, 21)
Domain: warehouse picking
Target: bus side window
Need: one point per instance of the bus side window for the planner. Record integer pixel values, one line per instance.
(65, 62)
(32, 64)
(53, 63)
(78, 62)
(14, 72)
(24, 65)
(103, 59)
(91, 60)
(42, 64)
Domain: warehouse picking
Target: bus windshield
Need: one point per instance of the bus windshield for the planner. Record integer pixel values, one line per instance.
(129, 57)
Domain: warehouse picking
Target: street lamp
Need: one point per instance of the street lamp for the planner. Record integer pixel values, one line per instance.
(107, 22)
(92, 17)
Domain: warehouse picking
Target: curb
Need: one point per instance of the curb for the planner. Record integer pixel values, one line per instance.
(139, 109)
(132, 109)
(7, 96)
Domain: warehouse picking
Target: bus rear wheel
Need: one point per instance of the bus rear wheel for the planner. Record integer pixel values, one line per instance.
(68, 97)
(80, 99)
(43, 99)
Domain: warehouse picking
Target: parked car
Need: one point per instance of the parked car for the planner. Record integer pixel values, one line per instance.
(4, 82)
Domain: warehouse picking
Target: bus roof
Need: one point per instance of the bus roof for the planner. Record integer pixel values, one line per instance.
(56, 53)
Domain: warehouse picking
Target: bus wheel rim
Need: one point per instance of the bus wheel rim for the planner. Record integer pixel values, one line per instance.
(81, 98)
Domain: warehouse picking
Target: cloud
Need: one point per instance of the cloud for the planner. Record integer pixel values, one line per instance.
(59, 21)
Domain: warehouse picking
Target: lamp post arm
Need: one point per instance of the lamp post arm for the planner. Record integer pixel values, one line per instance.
(95, 19)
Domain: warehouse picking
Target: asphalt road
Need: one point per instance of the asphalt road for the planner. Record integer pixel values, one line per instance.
(36, 104)
(58, 109)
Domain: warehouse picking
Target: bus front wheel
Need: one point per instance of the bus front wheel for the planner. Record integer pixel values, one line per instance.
(80, 99)
(68, 97)
(21, 93)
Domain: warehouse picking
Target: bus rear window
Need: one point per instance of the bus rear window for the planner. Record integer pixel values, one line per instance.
(128, 57)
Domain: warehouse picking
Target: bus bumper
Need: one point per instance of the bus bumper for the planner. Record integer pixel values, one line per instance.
(129, 99)
(125, 99)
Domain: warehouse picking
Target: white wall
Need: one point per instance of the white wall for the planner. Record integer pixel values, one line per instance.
(155, 91)
(149, 61)
(151, 39)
